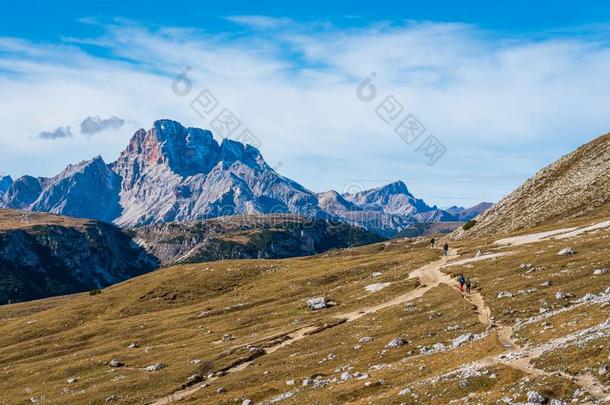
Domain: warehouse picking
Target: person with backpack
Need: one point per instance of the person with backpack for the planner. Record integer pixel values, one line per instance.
(462, 281)
(468, 284)
(446, 249)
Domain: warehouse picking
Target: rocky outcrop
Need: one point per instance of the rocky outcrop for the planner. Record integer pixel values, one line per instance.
(576, 185)
(42, 255)
(247, 237)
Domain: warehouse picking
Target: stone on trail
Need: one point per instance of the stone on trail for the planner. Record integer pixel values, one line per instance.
(133, 345)
(365, 339)
(505, 294)
(566, 252)
(600, 272)
(72, 380)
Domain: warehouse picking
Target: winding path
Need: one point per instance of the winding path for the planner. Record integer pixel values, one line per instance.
(431, 276)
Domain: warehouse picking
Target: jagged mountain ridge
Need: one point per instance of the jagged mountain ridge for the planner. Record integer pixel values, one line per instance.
(172, 173)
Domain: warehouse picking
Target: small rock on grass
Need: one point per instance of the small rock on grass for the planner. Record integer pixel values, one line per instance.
(155, 367)
(116, 363)
(566, 252)
(397, 343)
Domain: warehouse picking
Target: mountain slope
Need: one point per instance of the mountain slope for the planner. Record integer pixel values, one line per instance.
(577, 184)
(42, 255)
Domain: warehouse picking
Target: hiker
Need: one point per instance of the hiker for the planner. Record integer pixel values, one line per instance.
(468, 285)
(446, 249)
(432, 243)
(461, 280)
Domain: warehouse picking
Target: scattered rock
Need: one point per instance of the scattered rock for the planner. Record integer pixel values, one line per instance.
(226, 337)
(192, 380)
(155, 367)
(535, 398)
(116, 363)
(560, 295)
(546, 284)
(557, 402)
(221, 390)
(282, 397)
(290, 382)
(397, 343)
(600, 272)
(72, 380)
(505, 294)
(357, 347)
(460, 340)
(479, 253)
(315, 304)
(365, 339)
(133, 345)
(524, 266)
(603, 370)
(376, 274)
(112, 398)
(246, 402)
(195, 361)
(587, 297)
(566, 252)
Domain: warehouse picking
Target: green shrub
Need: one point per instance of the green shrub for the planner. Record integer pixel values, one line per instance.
(469, 225)
(95, 291)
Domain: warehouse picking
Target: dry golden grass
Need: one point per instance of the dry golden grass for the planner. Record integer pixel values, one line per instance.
(181, 313)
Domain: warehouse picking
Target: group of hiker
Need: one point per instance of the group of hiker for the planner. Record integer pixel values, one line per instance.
(445, 246)
(463, 281)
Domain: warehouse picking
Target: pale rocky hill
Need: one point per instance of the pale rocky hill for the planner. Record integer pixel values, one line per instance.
(578, 184)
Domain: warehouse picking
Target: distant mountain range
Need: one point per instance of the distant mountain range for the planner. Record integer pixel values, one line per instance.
(171, 173)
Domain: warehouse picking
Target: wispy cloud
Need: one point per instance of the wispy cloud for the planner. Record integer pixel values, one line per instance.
(93, 125)
(58, 133)
(260, 21)
(490, 98)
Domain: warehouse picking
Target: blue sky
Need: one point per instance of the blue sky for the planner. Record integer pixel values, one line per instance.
(507, 88)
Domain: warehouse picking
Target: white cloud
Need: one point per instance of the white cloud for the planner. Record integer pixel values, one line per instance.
(58, 133)
(93, 124)
(502, 106)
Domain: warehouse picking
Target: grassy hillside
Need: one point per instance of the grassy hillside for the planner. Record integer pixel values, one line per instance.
(244, 329)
